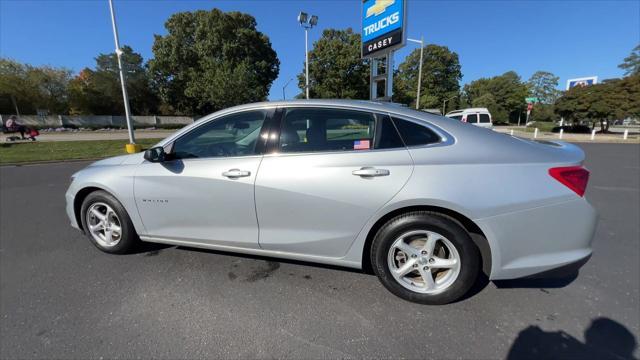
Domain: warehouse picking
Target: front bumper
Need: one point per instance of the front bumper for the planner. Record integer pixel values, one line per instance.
(541, 239)
(69, 208)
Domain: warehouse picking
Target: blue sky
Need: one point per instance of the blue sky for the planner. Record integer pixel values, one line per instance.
(568, 38)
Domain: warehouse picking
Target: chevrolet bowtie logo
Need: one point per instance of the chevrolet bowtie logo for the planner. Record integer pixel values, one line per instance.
(379, 7)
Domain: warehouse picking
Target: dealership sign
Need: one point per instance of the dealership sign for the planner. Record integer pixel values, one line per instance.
(585, 81)
(383, 25)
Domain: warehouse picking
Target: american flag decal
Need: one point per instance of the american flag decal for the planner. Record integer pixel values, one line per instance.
(361, 145)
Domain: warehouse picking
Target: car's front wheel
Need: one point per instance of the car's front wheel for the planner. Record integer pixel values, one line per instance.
(107, 224)
(425, 257)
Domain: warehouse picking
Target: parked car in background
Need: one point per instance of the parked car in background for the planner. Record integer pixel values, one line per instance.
(351, 183)
(476, 116)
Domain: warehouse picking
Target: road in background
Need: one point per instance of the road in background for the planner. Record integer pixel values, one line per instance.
(62, 298)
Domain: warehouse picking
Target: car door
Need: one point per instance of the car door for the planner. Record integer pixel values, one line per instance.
(331, 171)
(204, 191)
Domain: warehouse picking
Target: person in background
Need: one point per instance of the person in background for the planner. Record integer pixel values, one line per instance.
(12, 125)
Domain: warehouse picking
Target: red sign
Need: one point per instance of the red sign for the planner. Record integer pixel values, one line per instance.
(529, 106)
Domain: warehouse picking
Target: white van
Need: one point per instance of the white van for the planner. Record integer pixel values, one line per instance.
(476, 116)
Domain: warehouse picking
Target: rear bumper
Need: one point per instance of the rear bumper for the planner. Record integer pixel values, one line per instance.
(539, 240)
(562, 271)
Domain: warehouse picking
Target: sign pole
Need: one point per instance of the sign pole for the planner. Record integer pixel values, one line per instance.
(383, 32)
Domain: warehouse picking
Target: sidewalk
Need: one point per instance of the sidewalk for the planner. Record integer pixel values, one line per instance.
(599, 138)
(102, 135)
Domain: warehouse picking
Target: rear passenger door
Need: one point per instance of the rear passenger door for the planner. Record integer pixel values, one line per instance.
(330, 171)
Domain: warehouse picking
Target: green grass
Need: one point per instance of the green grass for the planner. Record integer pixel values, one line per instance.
(542, 127)
(25, 152)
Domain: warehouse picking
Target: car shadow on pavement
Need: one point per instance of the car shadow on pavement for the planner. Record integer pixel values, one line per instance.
(274, 260)
(604, 339)
(149, 249)
(533, 283)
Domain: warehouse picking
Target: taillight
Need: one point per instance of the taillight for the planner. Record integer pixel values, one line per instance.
(573, 177)
(464, 119)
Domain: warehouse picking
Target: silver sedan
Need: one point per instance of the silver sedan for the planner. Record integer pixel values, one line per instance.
(425, 202)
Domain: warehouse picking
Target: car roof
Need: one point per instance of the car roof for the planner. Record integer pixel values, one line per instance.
(461, 111)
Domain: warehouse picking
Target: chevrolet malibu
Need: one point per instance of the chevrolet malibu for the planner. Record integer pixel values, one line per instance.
(425, 202)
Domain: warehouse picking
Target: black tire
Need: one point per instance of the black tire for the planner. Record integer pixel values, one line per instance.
(129, 238)
(470, 260)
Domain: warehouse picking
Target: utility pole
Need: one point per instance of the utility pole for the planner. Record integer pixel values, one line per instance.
(132, 147)
(421, 42)
(444, 104)
(284, 96)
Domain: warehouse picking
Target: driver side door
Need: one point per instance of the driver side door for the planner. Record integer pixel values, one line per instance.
(204, 191)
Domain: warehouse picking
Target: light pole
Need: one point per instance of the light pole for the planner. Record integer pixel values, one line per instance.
(132, 146)
(307, 23)
(444, 104)
(284, 97)
(421, 42)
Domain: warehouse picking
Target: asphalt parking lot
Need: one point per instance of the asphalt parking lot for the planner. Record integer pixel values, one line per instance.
(62, 298)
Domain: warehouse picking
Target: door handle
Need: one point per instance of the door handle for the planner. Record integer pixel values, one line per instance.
(370, 172)
(236, 173)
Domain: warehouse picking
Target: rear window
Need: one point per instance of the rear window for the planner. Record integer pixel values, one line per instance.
(472, 118)
(484, 118)
(457, 117)
(414, 134)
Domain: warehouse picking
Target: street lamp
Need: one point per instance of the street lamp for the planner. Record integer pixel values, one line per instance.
(307, 23)
(284, 97)
(421, 42)
(444, 104)
(131, 147)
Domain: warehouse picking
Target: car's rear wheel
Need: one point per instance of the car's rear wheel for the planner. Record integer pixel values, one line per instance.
(107, 224)
(425, 257)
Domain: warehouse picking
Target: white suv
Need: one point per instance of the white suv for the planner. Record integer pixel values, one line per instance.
(476, 116)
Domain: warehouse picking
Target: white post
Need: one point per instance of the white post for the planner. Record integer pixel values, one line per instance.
(535, 133)
(420, 73)
(561, 121)
(561, 132)
(593, 134)
(127, 112)
(306, 59)
(626, 134)
(511, 132)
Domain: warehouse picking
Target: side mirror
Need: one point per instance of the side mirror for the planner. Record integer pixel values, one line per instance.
(155, 154)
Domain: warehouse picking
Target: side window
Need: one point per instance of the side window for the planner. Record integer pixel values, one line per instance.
(415, 134)
(457, 117)
(313, 129)
(472, 118)
(484, 118)
(233, 135)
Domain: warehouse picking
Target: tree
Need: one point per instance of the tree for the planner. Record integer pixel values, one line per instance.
(507, 95)
(544, 86)
(210, 60)
(30, 88)
(336, 69)
(631, 64)
(602, 103)
(441, 75)
(99, 91)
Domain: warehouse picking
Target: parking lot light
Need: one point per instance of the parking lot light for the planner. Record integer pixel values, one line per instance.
(307, 23)
(131, 147)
